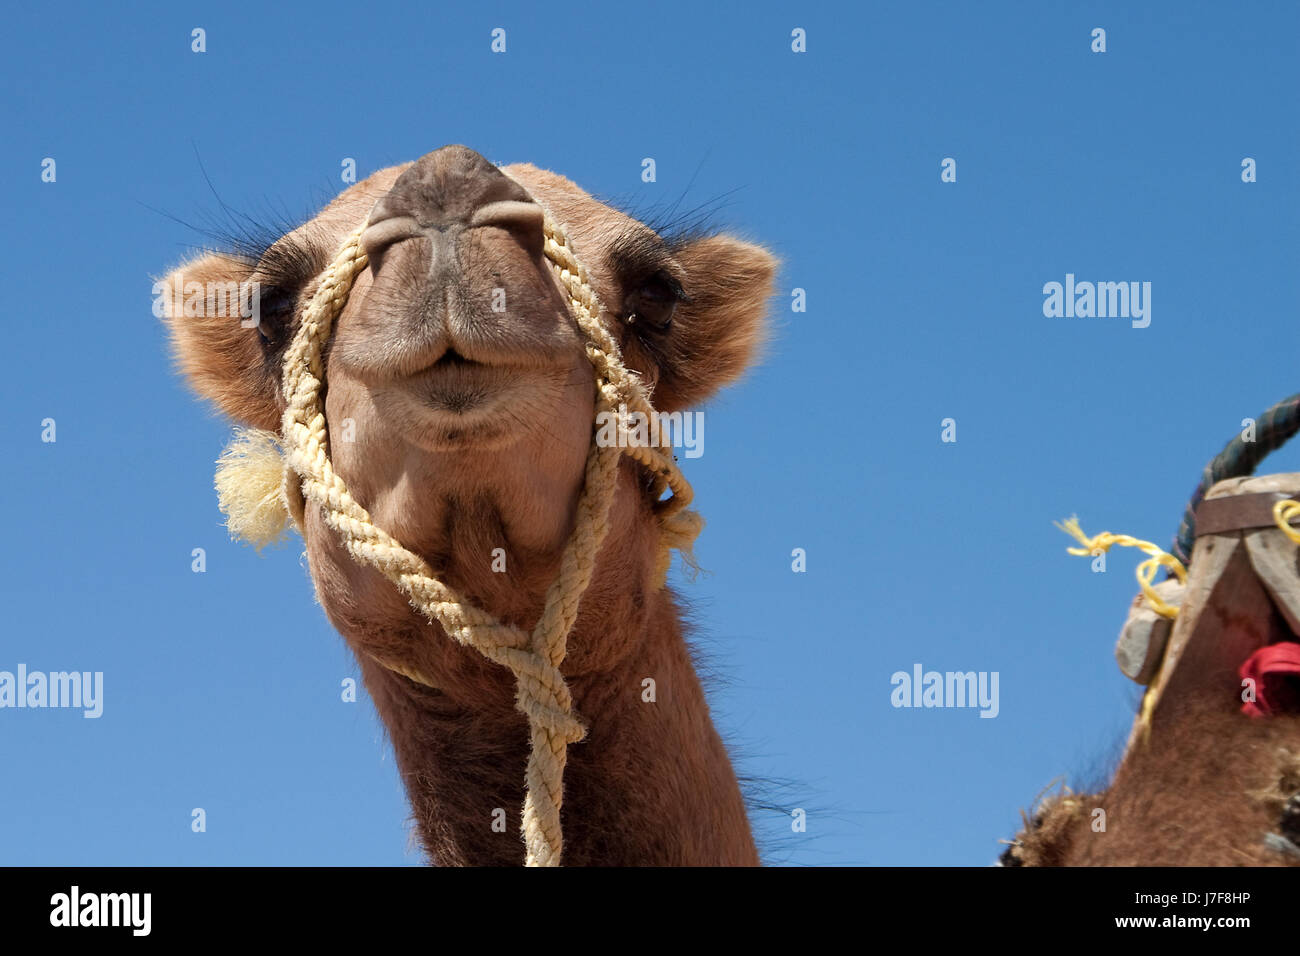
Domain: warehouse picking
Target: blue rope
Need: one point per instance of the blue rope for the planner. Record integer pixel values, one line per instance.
(1238, 459)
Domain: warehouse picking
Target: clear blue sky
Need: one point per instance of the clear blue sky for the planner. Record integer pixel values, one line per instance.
(924, 302)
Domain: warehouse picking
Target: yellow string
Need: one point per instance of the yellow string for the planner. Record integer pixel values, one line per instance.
(1146, 571)
(535, 659)
(1283, 513)
(1146, 710)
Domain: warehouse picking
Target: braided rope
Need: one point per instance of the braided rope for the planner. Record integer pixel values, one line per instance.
(1238, 459)
(541, 692)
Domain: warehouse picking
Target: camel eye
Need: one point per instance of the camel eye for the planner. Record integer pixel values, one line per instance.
(280, 272)
(275, 308)
(653, 301)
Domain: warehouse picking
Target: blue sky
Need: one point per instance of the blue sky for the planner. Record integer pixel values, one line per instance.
(924, 302)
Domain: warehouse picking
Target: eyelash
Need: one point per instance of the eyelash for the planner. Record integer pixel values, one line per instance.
(281, 270)
(669, 280)
(637, 257)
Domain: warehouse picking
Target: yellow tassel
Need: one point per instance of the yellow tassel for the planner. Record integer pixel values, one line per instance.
(1146, 571)
(679, 532)
(250, 474)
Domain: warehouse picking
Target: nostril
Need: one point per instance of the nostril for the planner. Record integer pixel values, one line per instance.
(524, 218)
(379, 235)
(385, 232)
(507, 213)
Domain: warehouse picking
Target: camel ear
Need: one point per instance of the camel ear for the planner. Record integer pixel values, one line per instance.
(208, 306)
(718, 334)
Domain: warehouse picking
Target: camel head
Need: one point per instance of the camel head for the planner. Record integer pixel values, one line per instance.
(458, 396)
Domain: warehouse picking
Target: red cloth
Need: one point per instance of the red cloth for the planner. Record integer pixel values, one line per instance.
(1275, 669)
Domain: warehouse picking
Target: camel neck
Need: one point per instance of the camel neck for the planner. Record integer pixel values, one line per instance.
(650, 785)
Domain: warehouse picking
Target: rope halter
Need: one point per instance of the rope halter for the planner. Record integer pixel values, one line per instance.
(534, 658)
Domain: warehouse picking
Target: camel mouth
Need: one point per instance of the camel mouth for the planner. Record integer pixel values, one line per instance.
(453, 359)
(458, 365)
(460, 404)
(459, 390)
(458, 386)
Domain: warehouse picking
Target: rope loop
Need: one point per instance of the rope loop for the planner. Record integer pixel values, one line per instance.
(1283, 513)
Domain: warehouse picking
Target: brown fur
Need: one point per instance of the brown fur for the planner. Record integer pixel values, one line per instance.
(1202, 795)
(1206, 783)
(1203, 790)
(458, 461)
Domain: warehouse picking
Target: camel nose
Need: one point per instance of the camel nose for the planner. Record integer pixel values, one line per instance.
(448, 190)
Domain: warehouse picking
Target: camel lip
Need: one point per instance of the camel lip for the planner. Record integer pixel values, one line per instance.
(459, 386)
(453, 365)
(458, 391)
(453, 359)
(456, 360)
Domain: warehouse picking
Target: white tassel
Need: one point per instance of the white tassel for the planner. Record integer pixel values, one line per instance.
(250, 476)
